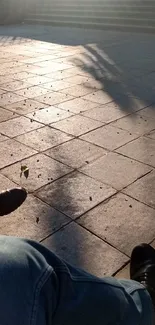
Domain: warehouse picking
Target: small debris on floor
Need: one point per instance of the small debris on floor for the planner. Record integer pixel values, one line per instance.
(37, 219)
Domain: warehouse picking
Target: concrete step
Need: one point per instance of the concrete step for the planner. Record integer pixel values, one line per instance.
(102, 13)
(84, 13)
(98, 2)
(140, 28)
(96, 6)
(93, 19)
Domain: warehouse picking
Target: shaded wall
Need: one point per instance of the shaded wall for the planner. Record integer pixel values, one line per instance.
(13, 11)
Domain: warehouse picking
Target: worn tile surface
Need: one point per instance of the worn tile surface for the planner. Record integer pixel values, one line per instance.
(33, 220)
(110, 170)
(33, 91)
(77, 125)
(6, 115)
(77, 107)
(49, 115)
(143, 189)
(142, 149)
(74, 194)
(77, 90)
(9, 98)
(109, 112)
(12, 151)
(26, 106)
(85, 250)
(76, 153)
(43, 138)
(122, 221)
(42, 170)
(18, 126)
(109, 137)
(15, 85)
(136, 124)
(53, 98)
(99, 97)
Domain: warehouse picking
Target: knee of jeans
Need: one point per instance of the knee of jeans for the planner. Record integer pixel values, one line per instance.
(21, 269)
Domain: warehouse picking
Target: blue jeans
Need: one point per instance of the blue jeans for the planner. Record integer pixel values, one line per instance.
(38, 288)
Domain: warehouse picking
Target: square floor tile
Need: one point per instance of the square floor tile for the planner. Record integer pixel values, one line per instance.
(12, 151)
(40, 71)
(10, 98)
(94, 84)
(34, 220)
(59, 75)
(149, 111)
(42, 170)
(37, 80)
(76, 153)
(143, 189)
(5, 79)
(32, 92)
(142, 149)
(136, 124)
(100, 97)
(5, 183)
(53, 98)
(151, 135)
(17, 126)
(124, 273)
(21, 75)
(56, 85)
(14, 70)
(2, 91)
(43, 138)
(106, 113)
(11, 64)
(77, 79)
(77, 90)
(15, 85)
(75, 194)
(3, 138)
(54, 66)
(6, 115)
(49, 115)
(115, 170)
(121, 221)
(77, 105)
(109, 137)
(38, 59)
(86, 251)
(26, 106)
(77, 125)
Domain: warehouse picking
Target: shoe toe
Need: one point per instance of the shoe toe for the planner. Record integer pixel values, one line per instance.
(141, 255)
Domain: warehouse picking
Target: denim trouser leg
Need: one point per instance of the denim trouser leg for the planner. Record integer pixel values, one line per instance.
(37, 288)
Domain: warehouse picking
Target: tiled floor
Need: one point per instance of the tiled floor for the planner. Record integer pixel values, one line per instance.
(78, 109)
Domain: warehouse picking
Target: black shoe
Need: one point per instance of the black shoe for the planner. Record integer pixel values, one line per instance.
(142, 267)
(10, 200)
